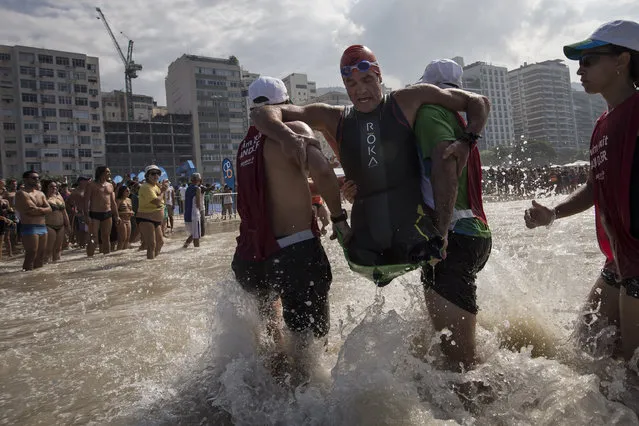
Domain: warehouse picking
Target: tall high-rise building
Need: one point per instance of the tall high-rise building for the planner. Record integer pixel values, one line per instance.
(541, 97)
(492, 81)
(211, 90)
(300, 88)
(587, 109)
(51, 112)
(114, 106)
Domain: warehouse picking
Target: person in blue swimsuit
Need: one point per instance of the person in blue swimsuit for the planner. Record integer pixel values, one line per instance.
(32, 205)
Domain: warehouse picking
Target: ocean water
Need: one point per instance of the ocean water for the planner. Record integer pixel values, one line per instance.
(122, 340)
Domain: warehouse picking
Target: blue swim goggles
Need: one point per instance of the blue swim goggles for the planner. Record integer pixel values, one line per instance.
(361, 66)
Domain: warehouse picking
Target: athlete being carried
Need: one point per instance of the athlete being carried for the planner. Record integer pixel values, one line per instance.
(376, 146)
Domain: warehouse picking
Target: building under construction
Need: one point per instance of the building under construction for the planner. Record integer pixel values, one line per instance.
(166, 140)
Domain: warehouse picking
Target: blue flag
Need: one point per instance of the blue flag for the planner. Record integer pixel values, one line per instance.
(229, 174)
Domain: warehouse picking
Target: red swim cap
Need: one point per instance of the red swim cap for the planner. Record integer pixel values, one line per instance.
(357, 53)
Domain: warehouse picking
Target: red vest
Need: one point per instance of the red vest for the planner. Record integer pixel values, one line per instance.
(474, 180)
(612, 150)
(256, 241)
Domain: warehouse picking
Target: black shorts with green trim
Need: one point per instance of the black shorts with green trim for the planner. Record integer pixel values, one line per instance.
(301, 275)
(454, 277)
(382, 251)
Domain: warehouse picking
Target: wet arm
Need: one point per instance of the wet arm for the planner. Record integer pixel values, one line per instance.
(445, 185)
(476, 106)
(324, 179)
(579, 201)
(270, 121)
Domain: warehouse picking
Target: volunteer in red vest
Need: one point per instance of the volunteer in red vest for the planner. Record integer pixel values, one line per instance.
(449, 285)
(609, 65)
(279, 256)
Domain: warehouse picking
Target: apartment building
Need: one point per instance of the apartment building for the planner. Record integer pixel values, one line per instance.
(492, 81)
(211, 89)
(541, 98)
(300, 89)
(51, 112)
(588, 108)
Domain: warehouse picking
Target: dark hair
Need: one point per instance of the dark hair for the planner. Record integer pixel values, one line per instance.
(634, 68)
(45, 185)
(99, 171)
(28, 173)
(121, 191)
(633, 65)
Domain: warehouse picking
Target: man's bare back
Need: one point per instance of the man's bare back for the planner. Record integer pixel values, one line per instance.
(289, 197)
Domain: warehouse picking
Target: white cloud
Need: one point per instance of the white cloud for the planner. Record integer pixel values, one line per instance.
(277, 37)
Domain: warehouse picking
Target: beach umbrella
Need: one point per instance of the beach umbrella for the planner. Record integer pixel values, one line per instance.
(164, 174)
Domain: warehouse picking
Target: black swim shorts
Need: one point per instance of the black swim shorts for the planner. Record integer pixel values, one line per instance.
(454, 277)
(101, 216)
(630, 284)
(301, 275)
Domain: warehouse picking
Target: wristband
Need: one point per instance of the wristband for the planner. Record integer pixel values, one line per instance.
(470, 138)
(341, 218)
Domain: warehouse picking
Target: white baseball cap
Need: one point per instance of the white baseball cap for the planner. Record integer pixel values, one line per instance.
(147, 169)
(272, 90)
(443, 73)
(620, 33)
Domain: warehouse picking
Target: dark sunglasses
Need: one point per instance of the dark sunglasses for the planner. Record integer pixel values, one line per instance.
(155, 173)
(34, 177)
(590, 59)
(361, 66)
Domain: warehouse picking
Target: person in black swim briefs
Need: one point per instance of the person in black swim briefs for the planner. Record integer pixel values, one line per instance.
(374, 140)
(100, 209)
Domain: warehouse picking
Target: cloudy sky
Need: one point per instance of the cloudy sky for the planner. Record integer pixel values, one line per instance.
(278, 37)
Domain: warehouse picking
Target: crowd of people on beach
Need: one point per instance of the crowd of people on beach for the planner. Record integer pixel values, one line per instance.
(519, 182)
(97, 213)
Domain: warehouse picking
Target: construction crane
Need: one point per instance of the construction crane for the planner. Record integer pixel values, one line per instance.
(130, 67)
